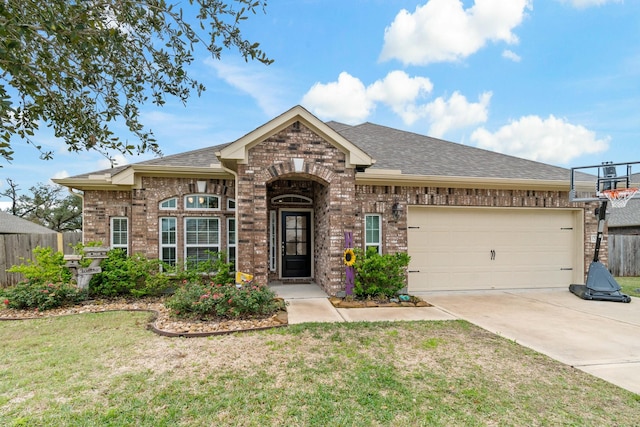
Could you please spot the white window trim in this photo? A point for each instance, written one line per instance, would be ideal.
(229, 201)
(208, 245)
(168, 245)
(379, 243)
(273, 241)
(235, 240)
(168, 208)
(186, 198)
(124, 246)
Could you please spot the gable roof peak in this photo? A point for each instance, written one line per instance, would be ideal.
(238, 150)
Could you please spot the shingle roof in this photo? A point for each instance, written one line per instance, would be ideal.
(417, 154)
(10, 224)
(203, 157)
(394, 149)
(629, 216)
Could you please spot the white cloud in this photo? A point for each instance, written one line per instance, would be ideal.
(456, 113)
(345, 99)
(399, 91)
(118, 160)
(60, 174)
(348, 100)
(511, 55)
(256, 80)
(583, 4)
(442, 30)
(547, 140)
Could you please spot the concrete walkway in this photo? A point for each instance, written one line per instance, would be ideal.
(309, 303)
(601, 338)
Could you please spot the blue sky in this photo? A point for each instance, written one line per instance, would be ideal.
(556, 81)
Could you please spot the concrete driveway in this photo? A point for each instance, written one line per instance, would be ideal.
(601, 338)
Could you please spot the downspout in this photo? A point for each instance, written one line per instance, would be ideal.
(235, 190)
(81, 195)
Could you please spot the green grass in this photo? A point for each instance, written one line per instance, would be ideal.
(107, 370)
(629, 285)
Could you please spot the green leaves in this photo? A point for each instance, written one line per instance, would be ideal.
(379, 275)
(81, 66)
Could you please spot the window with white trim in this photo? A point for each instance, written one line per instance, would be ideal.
(168, 240)
(273, 248)
(231, 242)
(202, 202)
(231, 204)
(201, 236)
(120, 233)
(169, 204)
(372, 232)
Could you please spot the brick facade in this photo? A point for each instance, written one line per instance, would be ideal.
(142, 209)
(297, 161)
(273, 169)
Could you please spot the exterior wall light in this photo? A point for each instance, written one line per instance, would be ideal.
(396, 210)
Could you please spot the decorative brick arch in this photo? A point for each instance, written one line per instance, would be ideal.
(299, 167)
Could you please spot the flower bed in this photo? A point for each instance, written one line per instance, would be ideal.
(351, 302)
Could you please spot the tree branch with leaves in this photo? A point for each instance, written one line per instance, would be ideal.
(79, 66)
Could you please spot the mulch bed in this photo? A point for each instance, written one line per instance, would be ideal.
(351, 302)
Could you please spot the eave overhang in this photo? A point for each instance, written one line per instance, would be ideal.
(130, 177)
(396, 177)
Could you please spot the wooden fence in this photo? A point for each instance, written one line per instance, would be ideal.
(16, 248)
(624, 255)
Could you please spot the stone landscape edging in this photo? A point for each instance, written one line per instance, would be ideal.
(151, 324)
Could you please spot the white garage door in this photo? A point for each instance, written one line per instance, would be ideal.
(493, 248)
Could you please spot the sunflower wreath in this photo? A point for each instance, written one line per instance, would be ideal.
(349, 257)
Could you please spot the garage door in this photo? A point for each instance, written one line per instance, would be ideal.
(493, 248)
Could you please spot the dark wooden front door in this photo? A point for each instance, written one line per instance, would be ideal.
(296, 244)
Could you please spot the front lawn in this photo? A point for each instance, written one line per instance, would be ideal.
(106, 370)
(629, 285)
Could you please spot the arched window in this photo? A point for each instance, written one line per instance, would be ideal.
(202, 202)
(291, 199)
(168, 204)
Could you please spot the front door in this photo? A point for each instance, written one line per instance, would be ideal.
(296, 244)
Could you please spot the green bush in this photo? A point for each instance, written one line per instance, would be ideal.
(48, 266)
(215, 270)
(41, 296)
(379, 275)
(211, 300)
(124, 275)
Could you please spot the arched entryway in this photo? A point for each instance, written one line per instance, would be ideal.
(298, 209)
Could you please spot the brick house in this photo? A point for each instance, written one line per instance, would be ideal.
(279, 200)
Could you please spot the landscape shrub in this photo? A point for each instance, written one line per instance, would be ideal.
(215, 269)
(209, 300)
(41, 296)
(47, 266)
(124, 275)
(379, 275)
